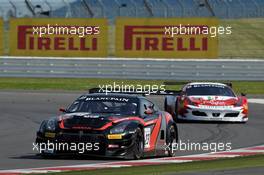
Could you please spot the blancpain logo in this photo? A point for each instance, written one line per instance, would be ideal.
(91, 116)
(107, 98)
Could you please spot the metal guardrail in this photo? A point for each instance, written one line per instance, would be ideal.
(120, 68)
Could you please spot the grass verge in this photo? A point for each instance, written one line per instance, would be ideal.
(76, 84)
(246, 40)
(221, 164)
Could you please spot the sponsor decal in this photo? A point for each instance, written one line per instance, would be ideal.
(215, 107)
(50, 134)
(58, 37)
(91, 116)
(147, 132)
(150, 38)
(114, 136)
(107, 99)
(205, 85)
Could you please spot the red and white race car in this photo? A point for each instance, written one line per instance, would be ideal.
(206, 101)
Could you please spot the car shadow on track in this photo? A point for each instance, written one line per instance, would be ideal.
(208, 122)
(64, 157)
(75, 157)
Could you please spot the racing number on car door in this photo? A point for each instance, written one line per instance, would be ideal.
(147, 105)
(147, 132)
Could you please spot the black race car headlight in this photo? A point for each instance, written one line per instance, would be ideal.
(51, 125)
(118, 129)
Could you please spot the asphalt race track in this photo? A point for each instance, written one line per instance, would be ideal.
(22, 112)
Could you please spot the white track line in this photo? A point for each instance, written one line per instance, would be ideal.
(255, 100)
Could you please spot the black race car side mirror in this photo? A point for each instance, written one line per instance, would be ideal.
(149, 111)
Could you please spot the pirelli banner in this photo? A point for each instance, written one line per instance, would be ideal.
(166, 38)
(1, 36)
(58, 37)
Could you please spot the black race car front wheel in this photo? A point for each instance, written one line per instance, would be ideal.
(176, 112)
(172, 140)
(139, 144)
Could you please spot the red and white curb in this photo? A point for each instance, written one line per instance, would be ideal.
(178, 159)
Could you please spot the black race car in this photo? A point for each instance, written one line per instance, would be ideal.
(117, 125)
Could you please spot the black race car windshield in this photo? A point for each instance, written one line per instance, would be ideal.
(105, 105)
(209, 89)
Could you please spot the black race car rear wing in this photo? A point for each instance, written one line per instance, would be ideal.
(128, 91)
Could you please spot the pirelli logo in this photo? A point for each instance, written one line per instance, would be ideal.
(58, 37)
(152, 38)
(28, 40)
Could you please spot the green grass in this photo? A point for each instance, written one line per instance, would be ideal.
(76, 84)
(62, 83)
(246, 40)
(221, 164)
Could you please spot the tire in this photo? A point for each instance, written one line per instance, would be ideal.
(172, 139)
(171, 110)
(139, 144)
(175, 116)
(166, 105)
